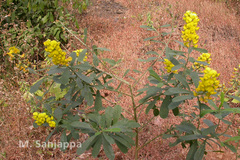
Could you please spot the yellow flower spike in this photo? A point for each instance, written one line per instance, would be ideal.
(189, 30)
(208, 84)
(169, 66)
(56, 53)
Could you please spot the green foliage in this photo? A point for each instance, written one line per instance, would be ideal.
(73, 94)
(26, 24)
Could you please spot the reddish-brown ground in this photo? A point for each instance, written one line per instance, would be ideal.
(116, 26)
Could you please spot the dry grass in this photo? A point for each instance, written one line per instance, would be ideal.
(118, 28)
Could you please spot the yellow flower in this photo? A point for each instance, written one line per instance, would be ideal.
(208, 84)
(41, 118)
(78, 52)
(189, 34)
(56, 53)
(14, 50)
(169, 66)
(205, 57)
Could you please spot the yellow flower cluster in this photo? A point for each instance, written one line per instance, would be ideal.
(189, 34)
(13, 50)
(56, 53)
(208, 84)
(205, 57)
(15, 56)
(41, 118)
(78, 52)
(235, 80)
(169, 66)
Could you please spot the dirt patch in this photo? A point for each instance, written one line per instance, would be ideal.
(106, 9)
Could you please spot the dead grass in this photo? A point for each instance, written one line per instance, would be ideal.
(119, 30)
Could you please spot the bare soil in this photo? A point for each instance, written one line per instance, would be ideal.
(115, 24)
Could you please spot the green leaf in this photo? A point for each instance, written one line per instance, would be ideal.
(104, 49)
(90, 141)
(110, 61)
(186, 127)
(208, 122)
(176, 90)
(63, 140)
(95, 60)
(97, 146)
(108, 149)
(121, 140)
(209, 130)
(171, 52)
(137, 71)
(82, 55)
(192, 151)
(195, 78)
(86, 93)
(126, 72)
(175, 111)
(182, 80)
(200, 50)
(102, 122)
(81, 125)
(236, 138)
(116, 113)
(181, 43)
(127, 138)
(54, 69)
(98, 102)
(32, 71)
(231, 147)
(177, 67)
(65, 77)
(50, 135)
(149, 38)
(84, 78)
(85, 36)
(174, 105)
(166, 25)
(79, 83)
(152, 52)
(123, 148)
(155, 112)
(191, 137)
(200, 152)
(182, 98)
(36, 85)
(235, 97)
(147, 60)
(155, 75)
(164, 107)
(233, 110)
(204, 112)
(45, 19)
(108, 115)
(112, 130)
(212, 104)
(58, 113)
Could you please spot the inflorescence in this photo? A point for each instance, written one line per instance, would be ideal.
(169, 66)
(78, 53)
(56, 53)
(205, 57)
(208, 84)
(41, 118)
(189, 34)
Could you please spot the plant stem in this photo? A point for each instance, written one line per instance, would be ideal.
(150, 141)
(136, 120)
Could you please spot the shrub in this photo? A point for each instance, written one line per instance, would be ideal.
(184, 79)
(26, 24)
